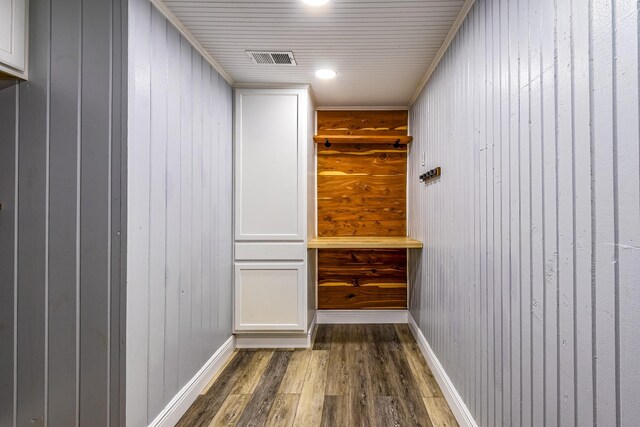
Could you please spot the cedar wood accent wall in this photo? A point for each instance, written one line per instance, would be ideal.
(362, 192)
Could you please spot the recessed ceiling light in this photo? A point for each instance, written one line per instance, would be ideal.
(315, 2)
(325, 74)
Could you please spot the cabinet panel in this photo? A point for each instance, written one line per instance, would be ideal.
(270, 296)
(269, 171)
(269, 251)
(13, 27)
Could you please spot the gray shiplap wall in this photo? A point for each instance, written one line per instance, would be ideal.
(528, 288)
(179, 213)
(62, 143)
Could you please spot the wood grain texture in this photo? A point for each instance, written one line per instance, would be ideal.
(364, 297)
(362, 159)
(362, 122)
(205, 407)
(331, 212)
(309, 412)
(283, 411)
(359, 183)
(389, 412)
(362, 278)
(362, 402)
(323, 337)
(338, 380)
(364, 243)
(294, 377)
(426, 381)
(230, 411)
(362, 376)
(403, 383)
(332, 186)
(365, 139)
(362, 228)
(361, 190)
(335, 411)
(248, 380)
(259, 406)
(439, 412)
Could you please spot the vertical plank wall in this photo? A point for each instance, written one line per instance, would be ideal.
(528, 287)
(62, 142)
(179, 213)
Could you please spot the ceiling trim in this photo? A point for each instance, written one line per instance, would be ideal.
(171, 17)
(445, 45)
(363, 108)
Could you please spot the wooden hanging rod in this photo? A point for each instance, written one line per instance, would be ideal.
(362, 139)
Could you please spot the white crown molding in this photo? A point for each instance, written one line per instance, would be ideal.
(363, 108)
(171, 17)
(443, 49)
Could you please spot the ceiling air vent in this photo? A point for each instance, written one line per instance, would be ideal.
(271, 58)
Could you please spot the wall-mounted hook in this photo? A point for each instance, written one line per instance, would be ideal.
(396, 144)
(327, 143)
(430, 175)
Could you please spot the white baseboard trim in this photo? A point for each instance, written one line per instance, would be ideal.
(277, 340)
(332, 317)
(457, 405)
(181, 402)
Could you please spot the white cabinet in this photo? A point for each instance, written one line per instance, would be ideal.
(269, 296)
(13, 36)
(270, 164)
(270, 187)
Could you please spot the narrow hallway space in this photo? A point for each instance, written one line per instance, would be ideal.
(355, 375)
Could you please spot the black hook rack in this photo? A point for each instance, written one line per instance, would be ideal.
(430, 175)
(327, 143)
(396, 144)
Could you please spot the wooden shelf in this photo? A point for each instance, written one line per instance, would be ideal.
(365, 139)
(364, 243)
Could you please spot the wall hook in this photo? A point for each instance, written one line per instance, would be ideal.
(431, 175)
(327, 143)
(396, 144)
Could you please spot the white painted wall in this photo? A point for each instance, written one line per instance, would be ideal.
(62, 224)
(179, 213)
(528, 287)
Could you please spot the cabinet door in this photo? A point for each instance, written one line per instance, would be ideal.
(13, 27)
(270, 296)
(270, 180)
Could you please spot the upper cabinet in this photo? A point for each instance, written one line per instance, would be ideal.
(13, 37)
(270, 155)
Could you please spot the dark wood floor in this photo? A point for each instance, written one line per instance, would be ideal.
(355, 375)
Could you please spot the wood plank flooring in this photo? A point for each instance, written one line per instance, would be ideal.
(355, 375)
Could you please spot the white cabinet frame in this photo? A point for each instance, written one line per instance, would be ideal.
(300, 234)
(240, 325)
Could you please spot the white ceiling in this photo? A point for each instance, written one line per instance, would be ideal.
(380, 49)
